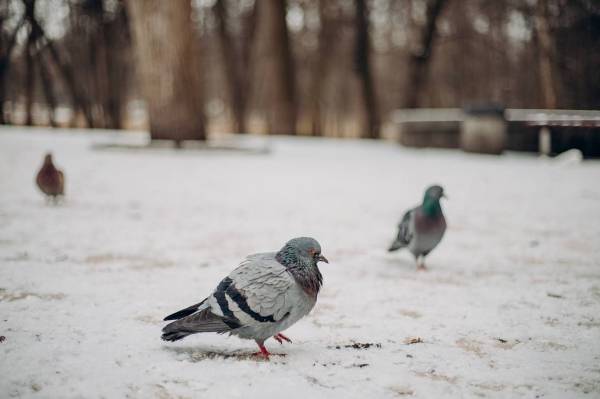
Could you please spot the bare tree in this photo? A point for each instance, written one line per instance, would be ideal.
(29, 76)
(167, 65)
(103, 65)
(320, 67)
(236, 82)
(246, 51)
(363, 69)
(546, 55)
(418, 64)
(7, 44)
(38, 39)
(109, 50)
(275, 55)
(117, 44)
(48, 91)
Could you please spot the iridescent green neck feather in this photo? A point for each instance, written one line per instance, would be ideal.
(431, 206)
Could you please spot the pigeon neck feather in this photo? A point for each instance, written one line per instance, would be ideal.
(304, 270)
(431, 207)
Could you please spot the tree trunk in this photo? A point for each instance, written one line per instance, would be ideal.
(237, 96)
(363, 69)
(29, 78)
(96, 92)
(319, 69)
(116, 31)
(247, 65)
(78, 99)
(546, 56)
(4, 66)
(168, 68)
(418, 64)
(277, 66)
(48, 90)
(106, 62)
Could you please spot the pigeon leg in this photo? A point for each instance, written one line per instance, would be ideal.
(421, 264)
(280, 338)
(263, 351)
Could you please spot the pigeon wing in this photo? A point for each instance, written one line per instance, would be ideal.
(405, 227)
(405, 231)
(254, 293)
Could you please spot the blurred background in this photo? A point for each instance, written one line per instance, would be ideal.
(185, 69)
(309, 106)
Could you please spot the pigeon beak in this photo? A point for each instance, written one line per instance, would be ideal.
(321, 258)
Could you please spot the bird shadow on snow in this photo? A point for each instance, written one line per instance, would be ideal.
(199, 353)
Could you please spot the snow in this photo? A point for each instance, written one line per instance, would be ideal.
(510, 305)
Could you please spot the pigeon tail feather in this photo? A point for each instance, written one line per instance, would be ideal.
(174, 336)
(396, 245)
(203, 321)
(184, 312)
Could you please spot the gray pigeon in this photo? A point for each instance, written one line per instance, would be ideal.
(422, 228)
(266, 294)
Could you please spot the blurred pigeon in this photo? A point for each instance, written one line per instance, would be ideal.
(422, 228)
(50, 180)
(266, 294)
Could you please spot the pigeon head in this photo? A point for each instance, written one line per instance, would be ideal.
(48, 159)
(431, 200)
(301, 251)
(434, 192)
(300, 256)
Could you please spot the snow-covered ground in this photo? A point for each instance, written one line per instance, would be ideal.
(510, 306)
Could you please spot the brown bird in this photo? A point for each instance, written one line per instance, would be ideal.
(50, 180)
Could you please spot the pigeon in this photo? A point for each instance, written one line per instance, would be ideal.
(50, 180)
(264, 295)
(422, 228)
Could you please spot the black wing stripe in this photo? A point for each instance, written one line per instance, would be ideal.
(242, 302)
(222, 301)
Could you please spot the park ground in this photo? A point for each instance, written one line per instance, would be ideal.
(510, 305)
